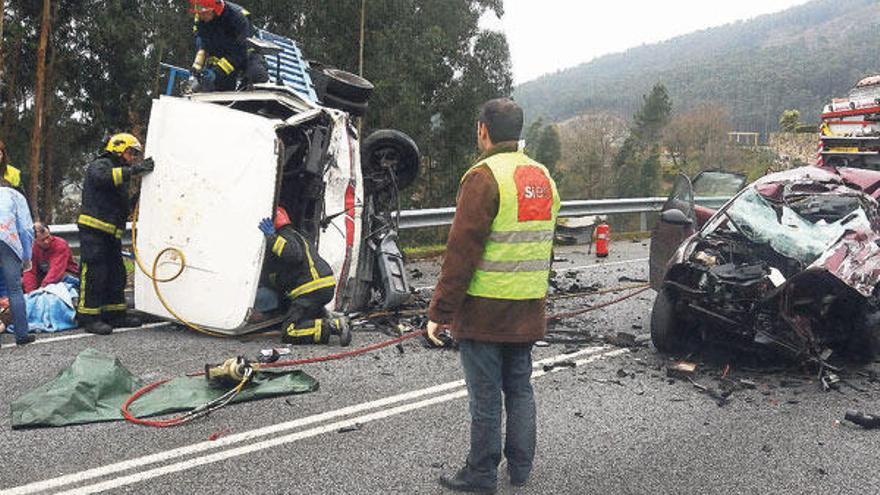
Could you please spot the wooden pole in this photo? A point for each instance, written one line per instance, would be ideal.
(363, 30)
(40, 101)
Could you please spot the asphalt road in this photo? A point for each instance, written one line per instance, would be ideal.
(391, 421)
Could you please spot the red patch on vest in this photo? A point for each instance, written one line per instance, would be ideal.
(534, 194)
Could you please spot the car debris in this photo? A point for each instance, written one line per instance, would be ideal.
(559, 364)
(721, 397)
(790, 264)
(866, 421)
(681, 369)
(350, 428)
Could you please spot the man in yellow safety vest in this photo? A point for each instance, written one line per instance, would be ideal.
(491, 294)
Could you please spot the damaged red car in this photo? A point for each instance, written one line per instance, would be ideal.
(791, 263)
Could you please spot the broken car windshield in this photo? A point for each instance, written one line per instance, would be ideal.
(803, 227)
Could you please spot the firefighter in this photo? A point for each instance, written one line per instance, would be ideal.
(295, 269)
(101, 223)
(223, 57)
(602, 237)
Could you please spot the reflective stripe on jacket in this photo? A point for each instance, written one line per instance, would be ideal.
(516, 261)
(105, 201)
(299, 270)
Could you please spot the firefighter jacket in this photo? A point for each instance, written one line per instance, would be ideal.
(295, 267)
(225, 38)
(105, 201)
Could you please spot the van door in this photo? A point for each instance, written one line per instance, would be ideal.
(214, 180)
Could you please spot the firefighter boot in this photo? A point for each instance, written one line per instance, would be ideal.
(124, 320)
(340, 326)
(98, 327)
(305, 332)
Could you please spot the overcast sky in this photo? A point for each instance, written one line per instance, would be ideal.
(548, 35)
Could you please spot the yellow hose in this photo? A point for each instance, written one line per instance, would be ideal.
(155, 280)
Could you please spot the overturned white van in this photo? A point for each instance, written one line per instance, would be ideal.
(223, 162)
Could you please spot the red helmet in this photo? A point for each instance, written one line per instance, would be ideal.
(197, 6)
(281, 218)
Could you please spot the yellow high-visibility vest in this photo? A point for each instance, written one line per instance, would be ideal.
(516, 261)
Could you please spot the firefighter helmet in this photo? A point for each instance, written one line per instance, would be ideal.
(198, 6)
(121, 142)
(281, 218)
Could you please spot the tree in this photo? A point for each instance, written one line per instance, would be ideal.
(549, 148)
(789, 120)
(698, 135)
(638, 161)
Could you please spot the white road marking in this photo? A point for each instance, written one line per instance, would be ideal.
(293, 437)
(103, 471)
(62, 338)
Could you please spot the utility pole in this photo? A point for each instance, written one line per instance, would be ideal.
(361, 56)
(39, 105)
(2, 17)
(363, 25)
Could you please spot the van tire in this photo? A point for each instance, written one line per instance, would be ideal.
(348, 86)
(352, 108)
(400, 154)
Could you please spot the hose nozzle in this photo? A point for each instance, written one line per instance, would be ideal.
(232, 370)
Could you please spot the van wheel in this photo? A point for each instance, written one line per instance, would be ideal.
(667, 330)
(389, 157)
(348, 86)
(352, 108)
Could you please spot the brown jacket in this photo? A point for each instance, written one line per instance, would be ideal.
(480, 318)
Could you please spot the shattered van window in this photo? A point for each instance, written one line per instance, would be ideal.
(803, 238)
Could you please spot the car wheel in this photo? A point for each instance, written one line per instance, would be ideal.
(354, 109)
(388, 154)
(348, 86)
(864, 344)
(667, 331)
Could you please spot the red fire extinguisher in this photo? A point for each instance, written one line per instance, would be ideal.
(602, 235)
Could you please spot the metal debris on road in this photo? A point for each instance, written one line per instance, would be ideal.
(866, 421)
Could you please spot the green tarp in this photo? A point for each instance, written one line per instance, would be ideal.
(94, 387)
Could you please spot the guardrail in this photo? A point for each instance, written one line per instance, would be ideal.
(438, 217)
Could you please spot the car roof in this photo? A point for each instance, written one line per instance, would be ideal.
(864, 180)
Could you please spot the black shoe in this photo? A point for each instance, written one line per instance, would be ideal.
(99, 328)
(27, 339)
(518, 483)
(461, 483)
(127, 321)
(341, 327)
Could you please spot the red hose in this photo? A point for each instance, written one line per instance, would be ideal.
(164, 423)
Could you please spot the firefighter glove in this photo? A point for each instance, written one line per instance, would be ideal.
(143, 167)
(266, 227)
(206, 76)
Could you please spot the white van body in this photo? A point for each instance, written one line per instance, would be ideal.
(218, 171)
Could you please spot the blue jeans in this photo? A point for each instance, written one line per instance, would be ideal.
(491, 369)
(11, 267)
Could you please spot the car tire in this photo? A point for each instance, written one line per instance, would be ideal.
(354, 109)
(390, 149)
(864, 344)
(348, 86)
(667, 332)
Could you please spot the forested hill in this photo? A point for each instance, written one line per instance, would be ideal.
(798, 58)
